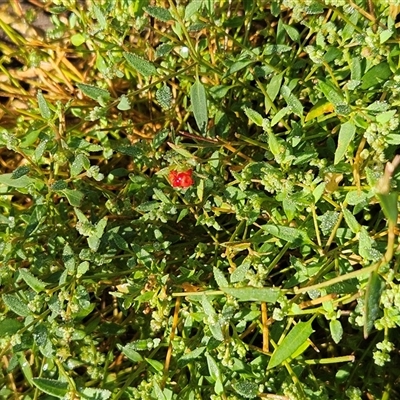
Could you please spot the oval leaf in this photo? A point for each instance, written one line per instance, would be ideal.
(199, 104)
(293, 340)
(336, 330)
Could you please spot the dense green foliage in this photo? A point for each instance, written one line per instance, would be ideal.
(273, 274)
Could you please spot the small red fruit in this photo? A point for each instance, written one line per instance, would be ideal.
(182, 179)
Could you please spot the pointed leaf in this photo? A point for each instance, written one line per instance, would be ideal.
(191, 357)
(292, 235)
(94, 92)
(351, 221)
(388, 203)
(297, 336)
(160, 13)
(199, 104)
(378, 74)
(253, 116)
(22, 182)
(372, 298)
(213, 368)
(74, 197)
(16, 305)
(36, 284)
(346, 136)
(141, 65)
(51, 386)
(43, 106)
(9, 326)
(250, 293)
(292, 101)
(220, 277)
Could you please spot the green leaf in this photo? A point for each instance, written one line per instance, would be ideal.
(220, 277)
(144, 67)
(331, 93)
(319, 191)
(101, 19)
(250, 293)
(207, 306)
(297, 336)
(239, 274)
(68, 258)
(253, 116)
(160, 138)
(292, 32)
(164, 97)
(157, 365)
(78, 39)
(237, 66)
(59, 185)
(213, 368)
(129, 350)
(388, 202)
(124, 103)
(22, 182)
(393, 139)
(356, 197)
(270, 49)
(279, 115)
(385, 35)
(385, 117)
(95, 93)
(9, 326)
(80, 163)
(274, 86)
(373, 293)
(51, 386)
(366, 246)
(351, 221)
(192, 8)
(95, 394)
(43, 106)
(20, 171)
(336, 330)
(247, 389)
(292, 101)
(292, 235)
(74, 197)
(187, 358)
(376, 75)
(16, 305)
(346, 136)
(34, 283)
(159, 13)
(328, 221)
(158, 391)
(199, 104)
(25, 367)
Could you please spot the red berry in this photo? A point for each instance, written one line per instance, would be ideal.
(182, 179)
